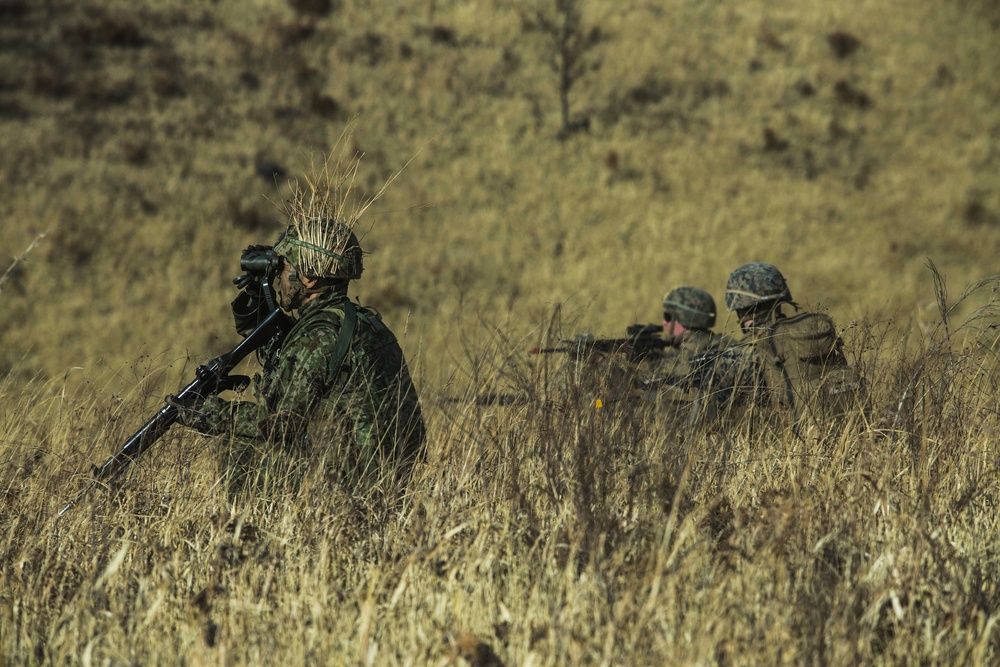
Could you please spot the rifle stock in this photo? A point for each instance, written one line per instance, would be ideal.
(211, 378)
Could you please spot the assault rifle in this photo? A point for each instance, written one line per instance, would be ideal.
(641, 339)
(254, 305)
(210, 378)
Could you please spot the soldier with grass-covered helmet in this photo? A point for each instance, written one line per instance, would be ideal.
(336, 388)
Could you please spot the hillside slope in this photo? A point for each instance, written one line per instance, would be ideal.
(151, 142)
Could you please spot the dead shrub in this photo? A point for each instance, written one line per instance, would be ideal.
(312, 7)
(106, 29)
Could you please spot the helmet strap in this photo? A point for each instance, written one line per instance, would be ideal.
(299, 291)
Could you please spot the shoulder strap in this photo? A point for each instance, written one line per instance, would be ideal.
(806, 325)
(778, 363)
(350, 323)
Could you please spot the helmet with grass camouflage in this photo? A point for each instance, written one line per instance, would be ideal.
(321, 248)
(755, 284)
(693, 307)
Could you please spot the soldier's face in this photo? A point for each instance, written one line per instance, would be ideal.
(746, 317)
(283, 286)
(289, 288)
(671, 327)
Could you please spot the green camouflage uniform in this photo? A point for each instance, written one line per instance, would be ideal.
(673, 369)
(362, 416)
(678, 361)
(676, 372)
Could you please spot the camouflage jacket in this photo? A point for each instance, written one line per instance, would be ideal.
(680, 360)
(674, 373)
(730, 375)
(307, 400)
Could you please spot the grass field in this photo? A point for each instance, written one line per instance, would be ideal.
(854, 145)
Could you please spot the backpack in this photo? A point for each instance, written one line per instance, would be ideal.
(805, 368)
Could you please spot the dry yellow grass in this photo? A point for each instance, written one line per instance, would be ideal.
(545, 532)
(141, 137)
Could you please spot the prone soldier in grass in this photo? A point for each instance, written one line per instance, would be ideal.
(335, 390)
(688, 317)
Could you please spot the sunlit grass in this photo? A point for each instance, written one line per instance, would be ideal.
(140, 138)
(539, 531)
(148, 199)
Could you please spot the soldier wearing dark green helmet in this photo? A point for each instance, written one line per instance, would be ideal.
(690, 307)
(688, 317)
(796, 358)
(335, 389)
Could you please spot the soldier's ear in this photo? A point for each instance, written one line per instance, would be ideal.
(309, 282)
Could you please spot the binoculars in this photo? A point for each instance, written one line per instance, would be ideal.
(260, 261)
(256, 299)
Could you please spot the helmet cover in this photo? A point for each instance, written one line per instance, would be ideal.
(755, 284)
(321, 248)
(693, 307)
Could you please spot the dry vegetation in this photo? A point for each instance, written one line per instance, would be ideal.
(545, 532)
(845, 142)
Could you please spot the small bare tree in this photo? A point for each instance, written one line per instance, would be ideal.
(570, 57)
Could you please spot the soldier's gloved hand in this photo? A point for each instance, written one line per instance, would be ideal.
(250, 306)
(235, 383)
(188, 408)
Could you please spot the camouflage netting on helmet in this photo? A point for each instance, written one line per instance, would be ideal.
(321, 248)
(693, 307)
(754, 284)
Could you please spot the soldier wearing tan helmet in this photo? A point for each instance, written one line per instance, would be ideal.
(796, 357)
(336, 388)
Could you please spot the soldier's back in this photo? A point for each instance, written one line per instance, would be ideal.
(804, 366)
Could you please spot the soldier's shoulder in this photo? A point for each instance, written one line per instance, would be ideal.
(722, 341)
(317, 328)
(735, 351)
(705, 341)
(667, 352)
(805, 325)
(328, 318)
